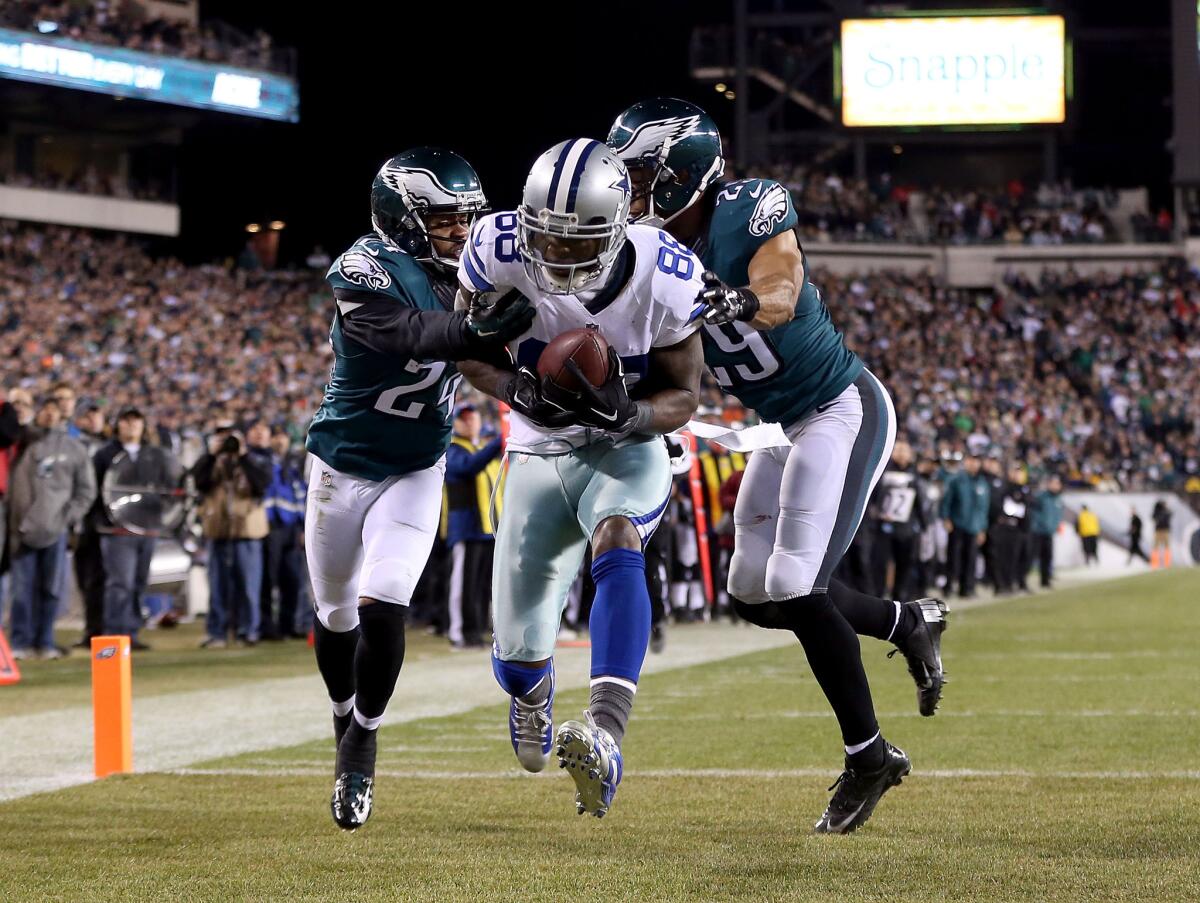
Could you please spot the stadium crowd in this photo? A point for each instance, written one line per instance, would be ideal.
(120, 23)
(1063, 381)
(836, 208)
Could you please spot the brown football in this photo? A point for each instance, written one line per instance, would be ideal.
(586, 347)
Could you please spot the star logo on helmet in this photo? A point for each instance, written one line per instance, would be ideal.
(621, 184)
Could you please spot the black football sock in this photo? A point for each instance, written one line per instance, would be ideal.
(868, 756)
(831, 646)
(335, 661)
(871, 616)
(610, 705)
(377, 664)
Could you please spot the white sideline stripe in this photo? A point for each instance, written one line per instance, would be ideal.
(1005, 713)
(749, 773)
(51, 750)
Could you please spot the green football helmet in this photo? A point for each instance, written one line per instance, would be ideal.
(416, 184)
(679, 146)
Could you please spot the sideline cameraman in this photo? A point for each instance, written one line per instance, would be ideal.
(231, 484)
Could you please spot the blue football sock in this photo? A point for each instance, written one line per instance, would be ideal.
(517, 678)
(620, 619)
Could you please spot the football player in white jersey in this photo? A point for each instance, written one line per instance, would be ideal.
(587, 466)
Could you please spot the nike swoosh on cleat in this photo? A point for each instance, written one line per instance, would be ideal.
(603, 416)
(849, 818)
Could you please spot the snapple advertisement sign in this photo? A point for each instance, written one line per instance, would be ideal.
(961, 70)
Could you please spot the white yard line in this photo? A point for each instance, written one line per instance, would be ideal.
(51, 750)
(750, 773)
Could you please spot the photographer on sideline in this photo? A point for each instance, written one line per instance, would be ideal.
(231, 484)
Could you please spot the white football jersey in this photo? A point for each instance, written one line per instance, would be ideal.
(648, 302)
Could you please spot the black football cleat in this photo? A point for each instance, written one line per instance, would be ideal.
(857, 793)
(922, 649)
(351, 802)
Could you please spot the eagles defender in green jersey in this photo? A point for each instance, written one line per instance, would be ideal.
(379, 439)
(770, 341)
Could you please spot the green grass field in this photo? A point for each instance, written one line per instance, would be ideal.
(1063, 766)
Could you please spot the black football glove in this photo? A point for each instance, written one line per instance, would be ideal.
(726, 304)
(501, 322)
(523, 393)
(606, 406)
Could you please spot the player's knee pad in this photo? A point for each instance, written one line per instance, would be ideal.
(338, 617)
(388, 579)
(790, 575)
(747, 578)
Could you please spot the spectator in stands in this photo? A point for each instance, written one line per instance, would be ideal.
(231, 483)
(472, 470)
(50, 489)
(964, 509)
(126, 555)
(1047, 514)
(64, 396)
(1087, 525)
(283, 574)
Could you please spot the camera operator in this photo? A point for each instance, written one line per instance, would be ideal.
(231, 483)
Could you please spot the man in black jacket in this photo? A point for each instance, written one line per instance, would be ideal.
(126, 555)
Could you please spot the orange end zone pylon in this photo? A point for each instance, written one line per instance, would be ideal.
(112, 704)
(9, 672)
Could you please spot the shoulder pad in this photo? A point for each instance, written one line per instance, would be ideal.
(372, 265)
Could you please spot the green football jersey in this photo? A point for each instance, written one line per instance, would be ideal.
(782, 373)
(382, 415)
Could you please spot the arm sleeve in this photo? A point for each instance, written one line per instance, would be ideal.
(202, 472)
(477, 266)
(944, 506)
(388, 326)
(84, 490)
(766, 208)
(462, 464)
(676, 290)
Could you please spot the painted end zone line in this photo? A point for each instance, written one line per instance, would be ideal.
(749, 773)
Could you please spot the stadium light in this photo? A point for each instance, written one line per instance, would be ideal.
(254, 227)
(721, 87)
(276, 225)
(729, 95)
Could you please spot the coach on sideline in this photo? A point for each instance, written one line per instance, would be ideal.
(471, 473)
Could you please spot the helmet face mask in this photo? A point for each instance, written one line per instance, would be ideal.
(418, 186)
(571, 228)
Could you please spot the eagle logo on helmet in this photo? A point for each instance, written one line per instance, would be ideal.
(771, 208)
(421, 188)
(361, 268)
(655, 138)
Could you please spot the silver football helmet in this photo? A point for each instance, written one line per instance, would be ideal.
(572, 219)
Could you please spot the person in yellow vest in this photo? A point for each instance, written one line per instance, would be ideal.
(1087, 525)
(472, 470)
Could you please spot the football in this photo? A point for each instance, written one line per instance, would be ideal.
(586, 347)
